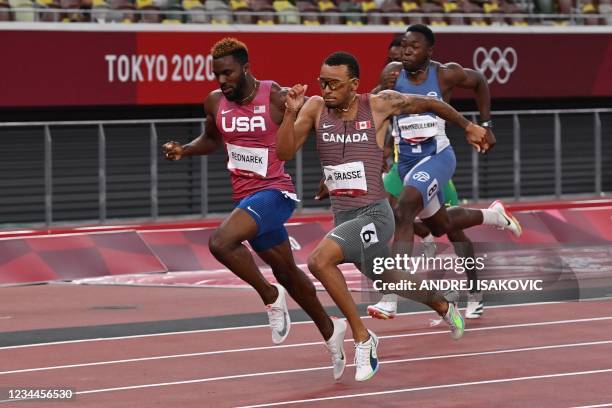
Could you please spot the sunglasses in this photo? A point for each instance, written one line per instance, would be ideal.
(332, 83)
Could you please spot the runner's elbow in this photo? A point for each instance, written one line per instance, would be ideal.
(284, 155)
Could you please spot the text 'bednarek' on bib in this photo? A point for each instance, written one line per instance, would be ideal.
(247, 161)
(346, 179)
(415, 129)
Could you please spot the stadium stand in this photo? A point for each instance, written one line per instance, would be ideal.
(315, 12)
(5, 11)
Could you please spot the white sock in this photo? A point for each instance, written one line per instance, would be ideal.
(429, 238)
(492, 217)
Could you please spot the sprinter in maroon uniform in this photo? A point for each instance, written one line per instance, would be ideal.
(350, 132)
(244, 115)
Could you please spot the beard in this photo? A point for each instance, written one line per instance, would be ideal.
(238, 93)
(332, 105)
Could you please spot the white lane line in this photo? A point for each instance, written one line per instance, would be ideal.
(188, 332)
(433, 387)
(265, 348)
(303, 370)
(267, 373)
(595, 406)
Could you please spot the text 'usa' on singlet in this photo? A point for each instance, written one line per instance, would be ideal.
(350, 157)
(249, 134)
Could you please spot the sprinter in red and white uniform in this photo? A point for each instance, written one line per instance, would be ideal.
(244, 115)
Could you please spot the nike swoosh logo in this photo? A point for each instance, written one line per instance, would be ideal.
(373, 360)
(507, 219)
(223, 112)
(335, 236)
(253, 211)
(284, 331)
(326, 126)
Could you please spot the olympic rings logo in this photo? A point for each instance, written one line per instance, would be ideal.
(495, 64)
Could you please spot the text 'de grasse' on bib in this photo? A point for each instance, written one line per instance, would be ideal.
(346, 179)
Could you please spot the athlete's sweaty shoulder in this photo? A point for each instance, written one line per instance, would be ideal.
(450, 73)
(277, 96)
(211, 103)
(313, 106)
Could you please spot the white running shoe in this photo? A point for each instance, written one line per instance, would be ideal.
(335, 345)
(475, 306)
(385, 309)
(512, 223)
(429, 246)
(453, 317)
(278, 314)
(366, 359)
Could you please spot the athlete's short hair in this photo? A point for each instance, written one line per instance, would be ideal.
(344, 58)
(231, 46)
(426, 31)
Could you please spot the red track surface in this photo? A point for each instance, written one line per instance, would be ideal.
(324, 216)
(539, 355)
(547, 355)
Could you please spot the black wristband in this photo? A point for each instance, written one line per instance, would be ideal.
(487, 124)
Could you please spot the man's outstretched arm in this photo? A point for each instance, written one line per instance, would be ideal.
(389, 103)
(298, 120)
(209, 141)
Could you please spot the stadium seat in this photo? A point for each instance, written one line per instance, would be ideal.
(372, 11)
(265, 10)
(434, 8)
(242, 11)
(332, 16)
(368, 6)
(72, 13)
(545, 6)
(173, 13)
(286, 12)
(196, 12)
(308, 12)
(355, 12)
(510, 7)
(219, 10)
(122, 11)
(325, 5)
(392, 8)
(605, 8)
(149, 12)
(330, 13)
(22, 15)
(454, 11)
(494, 11)
(5, 11)
(410, 6)
(49, 13)
(100, 11)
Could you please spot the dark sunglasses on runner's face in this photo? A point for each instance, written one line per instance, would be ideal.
(332, 83)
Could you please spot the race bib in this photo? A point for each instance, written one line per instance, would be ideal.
(247, 161)
(415, 129)
(347, 179)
